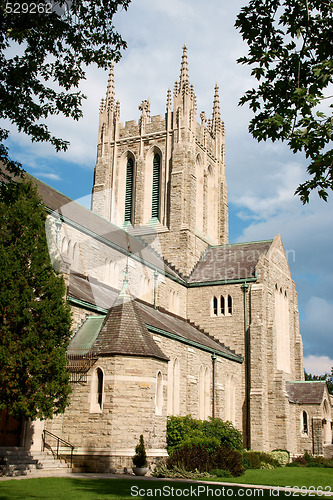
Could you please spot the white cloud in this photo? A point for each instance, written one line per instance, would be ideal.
(48, 175)
(318, 365)
(317, 327)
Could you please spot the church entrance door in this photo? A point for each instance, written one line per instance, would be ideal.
(10, 429)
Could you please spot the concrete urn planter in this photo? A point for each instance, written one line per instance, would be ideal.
(140, 471)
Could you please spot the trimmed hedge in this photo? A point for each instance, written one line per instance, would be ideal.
(308, 460)
(180, 429)
(259, 460)
(204, 454)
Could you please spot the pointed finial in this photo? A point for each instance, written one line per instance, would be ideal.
(168, 106)
(184, 68)
(110, 90)
(102, 106)
(216, 121)
(117, 110)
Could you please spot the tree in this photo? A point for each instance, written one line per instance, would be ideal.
(290, 52)
(54, 41)
(34, 317)
(327, 377)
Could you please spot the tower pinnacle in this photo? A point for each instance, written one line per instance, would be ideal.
(184, 69)
(110, 90)
(216, 119)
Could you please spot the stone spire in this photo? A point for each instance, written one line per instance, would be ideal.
(184, 70)
(110, 90)
(216, 119)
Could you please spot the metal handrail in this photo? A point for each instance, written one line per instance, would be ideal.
(59, 440)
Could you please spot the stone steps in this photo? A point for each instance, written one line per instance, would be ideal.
(16, 461)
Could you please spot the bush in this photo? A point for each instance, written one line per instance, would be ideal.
(259, 460)
(204, 454)
(180, 429)
(161, 470)
(220, 473)
(281, 456)
(140, 457)
(308, 460)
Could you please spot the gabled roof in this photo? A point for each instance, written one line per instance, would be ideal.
(99, 228)
(229, 262)
(306, 392)
(90, 292)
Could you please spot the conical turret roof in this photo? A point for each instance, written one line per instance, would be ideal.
(124, 333)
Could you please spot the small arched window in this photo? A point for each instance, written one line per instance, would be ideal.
(159, 394)
(215, 306)
(229, 304)
(155, 207)
(129, 191)
(305, 422)
(222, 304)
(99, 388)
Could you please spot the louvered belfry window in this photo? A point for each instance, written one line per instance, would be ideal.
(155, 208)
(129, 190)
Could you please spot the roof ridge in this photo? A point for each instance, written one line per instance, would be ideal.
(242, 243)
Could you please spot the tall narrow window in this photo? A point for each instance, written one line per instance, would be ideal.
(155, 207)
(305, 422)
(129, 190)
(222, 304)
(96, 391)
(229, 304)
(99, 387)
(159, 394)
(215, 306)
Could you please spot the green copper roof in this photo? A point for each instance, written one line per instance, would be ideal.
(86, 335)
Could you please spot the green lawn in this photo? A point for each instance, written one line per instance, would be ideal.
(288, 476)
(71, 488)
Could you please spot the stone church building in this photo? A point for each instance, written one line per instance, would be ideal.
(168, 317)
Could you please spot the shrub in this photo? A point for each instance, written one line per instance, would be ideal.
(140, 457)
(180, 429)
(204, 454)
(281, 456)
(161, 470)
(220, 473)
(259, 460)
(308, 460)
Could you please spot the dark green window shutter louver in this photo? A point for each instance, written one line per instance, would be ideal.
(155, 207)
(129, 191)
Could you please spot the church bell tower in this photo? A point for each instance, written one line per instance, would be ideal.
(165, 173)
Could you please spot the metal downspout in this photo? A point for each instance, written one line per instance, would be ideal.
(213, 384)
(245, 288)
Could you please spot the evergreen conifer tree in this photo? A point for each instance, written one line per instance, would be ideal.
(34, 317)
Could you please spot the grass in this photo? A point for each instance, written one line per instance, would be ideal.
(288, 476)
(72, 488)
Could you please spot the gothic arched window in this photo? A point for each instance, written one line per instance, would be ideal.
(305, 422)
(222, 304)
(155, 206)
(229, 304)
(215, 306)
(159, 394)
(129, 190)
(99, 387)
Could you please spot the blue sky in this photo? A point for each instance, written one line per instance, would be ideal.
(261, 177)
